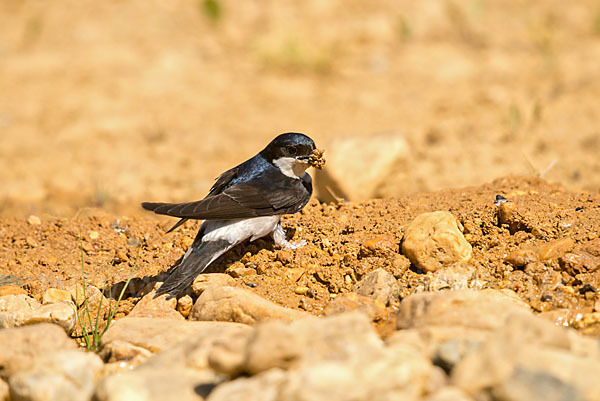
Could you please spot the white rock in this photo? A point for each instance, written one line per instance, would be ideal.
(23, 345)
(139, 337)
(20, 302)
(159, 384)
(531, 356)
(485, 309)
(68, 375)
(282, 345)
(399, 373)
(263, 387)
(63, 314)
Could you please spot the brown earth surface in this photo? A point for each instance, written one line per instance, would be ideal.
(114, 102)
(345, 242)
(107, 104)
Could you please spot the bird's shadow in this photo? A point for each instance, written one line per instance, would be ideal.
(140, 286)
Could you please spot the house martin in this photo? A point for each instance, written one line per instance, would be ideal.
(245, 202)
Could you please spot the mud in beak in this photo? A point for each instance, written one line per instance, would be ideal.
(316, 159)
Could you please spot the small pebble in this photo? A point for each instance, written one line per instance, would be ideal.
(34, 220)
(301, 290)
(184, 305)
(93, 234)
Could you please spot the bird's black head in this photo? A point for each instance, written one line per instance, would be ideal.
(289, 145)
(291, 153)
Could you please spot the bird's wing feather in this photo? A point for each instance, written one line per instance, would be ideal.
(241, 200)
(223, 181)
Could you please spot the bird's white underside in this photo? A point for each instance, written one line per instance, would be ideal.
(291, 166)
(237, 231)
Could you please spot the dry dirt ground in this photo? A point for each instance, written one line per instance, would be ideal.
(345, 241)
(106, 104)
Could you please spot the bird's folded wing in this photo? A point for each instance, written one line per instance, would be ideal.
(239, 201)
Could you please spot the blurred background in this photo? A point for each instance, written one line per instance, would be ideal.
(108, 103)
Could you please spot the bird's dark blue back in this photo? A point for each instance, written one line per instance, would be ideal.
(248, 171)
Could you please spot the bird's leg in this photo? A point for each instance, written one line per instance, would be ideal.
(279, 238)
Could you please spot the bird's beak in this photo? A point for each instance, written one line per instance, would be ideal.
(316, 159)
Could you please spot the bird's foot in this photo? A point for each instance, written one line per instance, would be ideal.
(293, 245)
(279, 238)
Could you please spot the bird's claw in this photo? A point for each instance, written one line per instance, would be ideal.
(293, 245)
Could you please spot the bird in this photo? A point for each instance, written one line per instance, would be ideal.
(245, 202)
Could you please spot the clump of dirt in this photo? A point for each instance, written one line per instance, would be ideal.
(345, 242)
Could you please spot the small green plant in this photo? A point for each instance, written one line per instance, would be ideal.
(91, 332)
(212, 9)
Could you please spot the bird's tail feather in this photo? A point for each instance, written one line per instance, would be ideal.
(191, 266)
(180, 222)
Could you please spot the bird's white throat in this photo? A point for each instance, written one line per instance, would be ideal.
(291, 166)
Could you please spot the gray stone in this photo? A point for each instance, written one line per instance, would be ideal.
(379, 285)
(23, 345)
(67, 375)
(232, 304)
(525, 385)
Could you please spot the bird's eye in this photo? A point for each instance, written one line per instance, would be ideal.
(292, 150)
